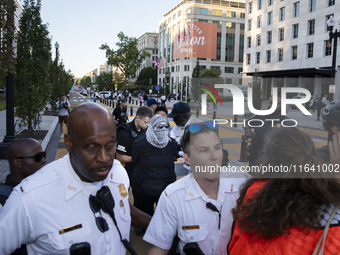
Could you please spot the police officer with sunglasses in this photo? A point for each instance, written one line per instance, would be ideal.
(77, 204)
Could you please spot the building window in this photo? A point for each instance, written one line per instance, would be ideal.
(259, 4)
(295, 30)
(216, 67)
(312, 5)
(296, 9)
(282, 14)
(241, 49)
(174, 17)
(228, 81)
(249, 41)
(203, 20)
(310, 49)
(270, 18)
(331, 2)
(219, 23)
(259, 21)
(229, 69)
(328, 48)
(249, 24)
(294, 52)
(169, 20)
(231, 14)
(280, 54)
(311, 27)
(269, 56)
(202, 11)
(240, 70)
(230, 47)
(281, 34)
(258, 55)
(230, 24)
(269, 37)
(248, 59)
(241, 26)
(217, 12)
(258, 40)
(179, 13)
(270, 2)
(250, 7)
(242, 15)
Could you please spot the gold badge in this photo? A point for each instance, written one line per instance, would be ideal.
(122, 190)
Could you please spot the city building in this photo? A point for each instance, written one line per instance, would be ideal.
(217, 38)
(149, 43)
(287, 44)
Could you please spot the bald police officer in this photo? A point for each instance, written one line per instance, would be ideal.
(52, 210)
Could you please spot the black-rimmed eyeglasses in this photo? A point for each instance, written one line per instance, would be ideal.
(100, 221)
(38, 156)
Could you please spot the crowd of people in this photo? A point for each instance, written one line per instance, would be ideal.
(79, 204)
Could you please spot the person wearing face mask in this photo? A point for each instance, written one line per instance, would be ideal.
(256, 128)
(153, 157)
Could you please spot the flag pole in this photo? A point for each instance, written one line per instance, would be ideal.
(187, 78)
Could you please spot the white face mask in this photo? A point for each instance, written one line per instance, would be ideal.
(158, 132)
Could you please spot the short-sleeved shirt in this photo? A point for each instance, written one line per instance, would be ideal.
(153, 163)
(49, 211)
(125, 141)
(182, 209)
(63, 110)
(4, 190)
(120, 115)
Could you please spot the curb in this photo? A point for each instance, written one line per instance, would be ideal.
(45, 143)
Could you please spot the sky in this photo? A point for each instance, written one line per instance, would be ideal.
(81, 26)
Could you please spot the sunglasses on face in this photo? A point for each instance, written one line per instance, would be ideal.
(100, 221)
(38, 156)
(160, 126)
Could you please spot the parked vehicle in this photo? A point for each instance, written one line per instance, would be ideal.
(104, 94)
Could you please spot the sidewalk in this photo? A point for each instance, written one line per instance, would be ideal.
(48, 123)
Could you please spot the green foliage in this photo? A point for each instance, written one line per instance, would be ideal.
(127, 57)
(32, 87)
(195, 91)
(211, 73)
(144, 77)
(85, 81)
(7, 62)
(2, 102)
(257, 92)
(119, 79)
(105, 81)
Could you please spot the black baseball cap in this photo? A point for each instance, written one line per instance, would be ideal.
(121, 101)
(178, 109)
(152, 101)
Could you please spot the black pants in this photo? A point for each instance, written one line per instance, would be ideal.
(142, 201)
(318, 111)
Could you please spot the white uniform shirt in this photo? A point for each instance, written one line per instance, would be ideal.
(55, 198)
(177, 133)
(182, 208)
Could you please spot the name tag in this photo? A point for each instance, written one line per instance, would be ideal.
(191, 227)
(68, 229)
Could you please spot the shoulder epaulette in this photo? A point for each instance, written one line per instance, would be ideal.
(178, 185)
(39, 180)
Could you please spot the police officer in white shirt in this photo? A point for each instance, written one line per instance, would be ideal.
(57, 210)
(198, 206)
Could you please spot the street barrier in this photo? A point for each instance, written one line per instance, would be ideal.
(131, 111)
(235, 120)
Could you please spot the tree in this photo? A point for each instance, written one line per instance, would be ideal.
(7, 62)
(105, 80)
(257, 92)
(195, 87)
(85, 81)
(32, 87)
(143, 80)
(127, 58)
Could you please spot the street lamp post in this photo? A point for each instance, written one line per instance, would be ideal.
(333, 35)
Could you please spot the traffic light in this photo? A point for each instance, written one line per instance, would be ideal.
(167, 81)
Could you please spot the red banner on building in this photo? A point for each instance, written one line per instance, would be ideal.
(200, 44)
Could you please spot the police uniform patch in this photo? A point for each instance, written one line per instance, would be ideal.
(122, 190)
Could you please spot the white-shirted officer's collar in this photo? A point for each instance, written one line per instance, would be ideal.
(194, 190)
(73, 184)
